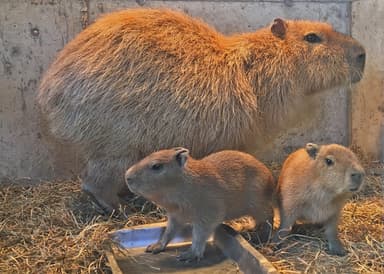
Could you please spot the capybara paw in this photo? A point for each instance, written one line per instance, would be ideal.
(189, 256)
(275, 238)
(279, 236)
(103, 207)
(337, 249)
(155, 248)
(276, 246)
(264, 234)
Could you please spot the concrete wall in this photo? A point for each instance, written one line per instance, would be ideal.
(367, 108)
(32, 32)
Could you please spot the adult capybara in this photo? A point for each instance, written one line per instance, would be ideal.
(314, 185)
(222, 186)
(140, 80)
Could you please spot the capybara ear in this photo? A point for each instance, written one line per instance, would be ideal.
(279, 28)
(181, 156)
(312, 150)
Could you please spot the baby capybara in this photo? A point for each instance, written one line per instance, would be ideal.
(314, 185)
(222, 186)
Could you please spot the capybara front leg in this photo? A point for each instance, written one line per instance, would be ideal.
(286, 223)
(172, 227)
(103, 180)
(335, 246)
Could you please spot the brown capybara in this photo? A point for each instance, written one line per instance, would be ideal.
(222, 186)
(314, 185)
(140, 80)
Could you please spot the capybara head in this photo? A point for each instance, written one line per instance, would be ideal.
(159, 170)
(321, 57)
(337, 166)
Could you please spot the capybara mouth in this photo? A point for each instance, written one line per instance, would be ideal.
(131, 187)
(357, 73)
(354, 188)
(356, 77)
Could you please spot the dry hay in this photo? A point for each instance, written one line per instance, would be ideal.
(53, 228)
(361, 230)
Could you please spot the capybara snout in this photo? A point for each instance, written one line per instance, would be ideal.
(360, 60)
(354, 53)
(129, 179)
(358, 63)
(356, 179)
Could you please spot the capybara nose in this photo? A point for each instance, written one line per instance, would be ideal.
(128, 177)
(361, 60)
(357, 62)
(357, 179)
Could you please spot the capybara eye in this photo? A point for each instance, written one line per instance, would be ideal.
(157, 167)
(329, 162)
(312, 38)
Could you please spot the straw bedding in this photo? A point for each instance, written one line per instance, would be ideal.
(52, 227)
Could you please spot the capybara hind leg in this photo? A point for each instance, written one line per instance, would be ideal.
(103, 183)
(264, 225)
(334, 244)
(200, 235)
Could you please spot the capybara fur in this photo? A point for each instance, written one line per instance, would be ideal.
(314, 185)
(221, 186)
(140, 80)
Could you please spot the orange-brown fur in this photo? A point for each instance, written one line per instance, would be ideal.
(140, 80)
(222, 186)
(314, 184)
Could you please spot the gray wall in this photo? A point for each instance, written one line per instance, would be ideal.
(32, 32)
(367, 108)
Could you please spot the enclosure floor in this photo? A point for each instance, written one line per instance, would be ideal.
(53, 228)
